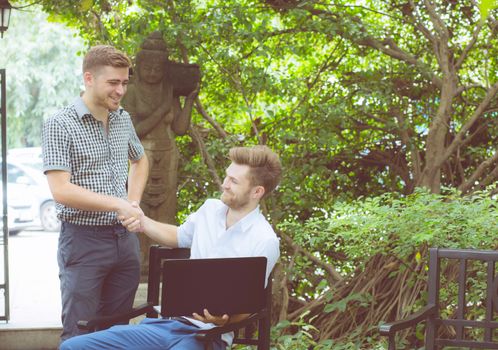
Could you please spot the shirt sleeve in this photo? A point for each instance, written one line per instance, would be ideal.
(270, 248)
(185, 232)
(56, 142)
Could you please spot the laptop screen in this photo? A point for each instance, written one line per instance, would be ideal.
(220, 285)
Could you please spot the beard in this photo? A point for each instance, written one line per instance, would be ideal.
(108, 102)
(235, 202)
(112, 105)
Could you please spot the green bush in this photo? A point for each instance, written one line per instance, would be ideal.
(389, 226)
(392, 224)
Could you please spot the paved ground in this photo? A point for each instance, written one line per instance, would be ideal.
(34, 293)
(34, 281)
(34, 284)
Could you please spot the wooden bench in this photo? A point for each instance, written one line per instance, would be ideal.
(462, 267)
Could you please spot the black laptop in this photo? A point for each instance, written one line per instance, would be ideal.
(223, 286)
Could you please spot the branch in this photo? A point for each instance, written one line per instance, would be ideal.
(390, 157)
(469, 46)
(393, 50)
(184, 52)
(491, 178)
(324, 67)
(477, 131)
(375, 118)
(205, 155)
(330, 269)
(436, 20)
(463, 88)
(229, 74)
(467, 185)
(202, 111)
(101, 27)
(459, 138)
(418, 24)
(248, 103)
(239, 85)
(37, 2)
(405, 138)
(389, 48)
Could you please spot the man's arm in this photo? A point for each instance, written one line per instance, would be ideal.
(137, 178)
(75, 196)
(164, 234)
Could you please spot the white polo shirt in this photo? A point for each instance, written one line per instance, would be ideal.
(205, 233)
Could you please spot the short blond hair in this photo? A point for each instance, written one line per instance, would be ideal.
(105, 55)
(266, 169)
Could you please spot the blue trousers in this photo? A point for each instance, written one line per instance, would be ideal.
(150, 334)
(99, 272)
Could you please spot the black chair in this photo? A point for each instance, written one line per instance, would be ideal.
(437, 326)
(244, 330)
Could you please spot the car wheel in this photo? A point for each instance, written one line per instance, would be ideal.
(48, 217)
(14, 232)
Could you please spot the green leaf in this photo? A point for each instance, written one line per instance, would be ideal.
(86, 5)
(485, 6)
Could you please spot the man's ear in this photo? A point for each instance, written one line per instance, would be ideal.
(87, 78)
(258, 192)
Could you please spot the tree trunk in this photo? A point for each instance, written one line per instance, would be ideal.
(436, 137)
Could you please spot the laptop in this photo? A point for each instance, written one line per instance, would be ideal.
(220, 285)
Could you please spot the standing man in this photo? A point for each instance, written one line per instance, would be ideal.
(86, 148)
(230, 227)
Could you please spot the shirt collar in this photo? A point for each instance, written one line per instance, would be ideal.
(82, 110)
(243, 223)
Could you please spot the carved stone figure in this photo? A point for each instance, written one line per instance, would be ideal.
(153, 100)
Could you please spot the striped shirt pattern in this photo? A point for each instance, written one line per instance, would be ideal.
(76, 142)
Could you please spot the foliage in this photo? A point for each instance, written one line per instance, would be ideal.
(373, 243)
(353, 95)
(393, 224)
(486, 6)
(42, 73)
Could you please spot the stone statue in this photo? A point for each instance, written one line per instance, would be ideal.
(153, 101)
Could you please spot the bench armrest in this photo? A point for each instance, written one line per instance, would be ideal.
(103, 322)
(388, 329)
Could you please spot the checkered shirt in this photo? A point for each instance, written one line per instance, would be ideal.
(76, 142)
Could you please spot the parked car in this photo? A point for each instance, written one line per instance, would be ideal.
(30, 156)
(20, 214)
(36, 186)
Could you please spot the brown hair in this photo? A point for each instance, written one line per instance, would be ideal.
(105, 55)
(266, 169)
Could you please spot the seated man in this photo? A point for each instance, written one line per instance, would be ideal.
(230, 227)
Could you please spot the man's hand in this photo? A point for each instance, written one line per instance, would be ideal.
(131, 216)
(132, 224)
(208, 318)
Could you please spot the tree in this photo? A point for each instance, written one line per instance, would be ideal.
(43, 73)
(388, 95)
(426, 93)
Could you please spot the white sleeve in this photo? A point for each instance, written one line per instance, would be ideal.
(185, 232)
(271, 250)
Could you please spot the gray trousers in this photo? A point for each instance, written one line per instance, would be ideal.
(99, 272)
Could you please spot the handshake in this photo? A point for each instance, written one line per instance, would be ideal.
(131, 216)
